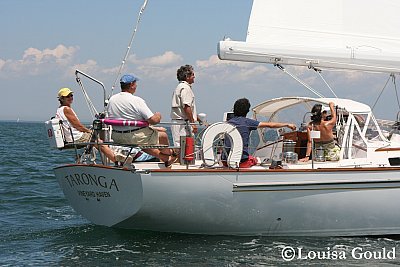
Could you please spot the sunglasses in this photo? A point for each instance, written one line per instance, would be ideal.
(70, 95)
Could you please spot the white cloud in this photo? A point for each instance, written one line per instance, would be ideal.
(61, 54)
(227, 71)
(221, 70)
(112, 70)
(168, 58)
(311, 75)
(354, 75)
(211, 61)
(89, 67)
(215, 61)
(2, 63)
(156, 73)
(160, 68)
(35, 61)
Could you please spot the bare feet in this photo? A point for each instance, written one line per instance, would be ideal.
(171, 160)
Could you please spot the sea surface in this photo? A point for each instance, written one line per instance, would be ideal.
(39, 228)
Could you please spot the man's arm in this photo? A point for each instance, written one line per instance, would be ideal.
(332, 121)
(309, 146)
(155, 119)
(277, 125)
(189, 114)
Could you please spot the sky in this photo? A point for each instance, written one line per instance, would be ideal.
(43, 42)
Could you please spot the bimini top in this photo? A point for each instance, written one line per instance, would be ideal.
(269, 107)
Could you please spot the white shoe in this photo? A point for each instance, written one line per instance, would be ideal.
(129, 160)
(120, 157)
(123, 158)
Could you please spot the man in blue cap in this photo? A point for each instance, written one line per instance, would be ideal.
(126, 106)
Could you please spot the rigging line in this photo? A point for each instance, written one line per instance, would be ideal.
(395, 88)
(130, 45)
(89, 103)
(383, 89)
(300, 81)
(320, 75)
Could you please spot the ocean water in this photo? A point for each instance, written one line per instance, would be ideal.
(39, 228)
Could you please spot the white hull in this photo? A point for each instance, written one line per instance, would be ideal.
(357, 194)
(341, 202)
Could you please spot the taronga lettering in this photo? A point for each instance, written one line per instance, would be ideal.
(78, 179)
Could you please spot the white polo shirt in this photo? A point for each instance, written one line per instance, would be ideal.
(126, 106)
(183, 95)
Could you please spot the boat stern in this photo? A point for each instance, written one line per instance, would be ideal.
(103, 195)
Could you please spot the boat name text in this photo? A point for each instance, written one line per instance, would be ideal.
(78, 179)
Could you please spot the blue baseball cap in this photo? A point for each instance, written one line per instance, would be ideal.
(127, 78)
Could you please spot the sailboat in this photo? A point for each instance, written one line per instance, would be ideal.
(357, 195)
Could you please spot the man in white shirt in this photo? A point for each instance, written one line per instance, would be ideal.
(125, 105)
(183, 106)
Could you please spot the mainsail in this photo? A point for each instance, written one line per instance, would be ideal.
(340, 34)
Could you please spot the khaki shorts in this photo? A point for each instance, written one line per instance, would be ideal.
(85, 138)
(143, 136)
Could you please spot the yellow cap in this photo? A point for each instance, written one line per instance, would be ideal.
(64, 92)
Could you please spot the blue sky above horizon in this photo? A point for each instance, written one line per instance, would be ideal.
(45, 41)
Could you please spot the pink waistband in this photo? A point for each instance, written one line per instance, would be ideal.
(116, 122)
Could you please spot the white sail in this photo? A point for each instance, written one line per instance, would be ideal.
(342, 34)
